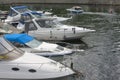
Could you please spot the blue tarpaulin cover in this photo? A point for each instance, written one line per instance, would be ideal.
(19, 38)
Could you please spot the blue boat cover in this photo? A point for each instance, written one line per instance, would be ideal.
(24, 10)
(19, 38)
(32, 12)
(25, 14)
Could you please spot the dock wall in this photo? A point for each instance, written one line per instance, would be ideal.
(114, 2)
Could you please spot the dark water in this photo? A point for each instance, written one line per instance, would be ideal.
(101, 58)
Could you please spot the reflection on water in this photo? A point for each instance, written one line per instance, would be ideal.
(101, 60)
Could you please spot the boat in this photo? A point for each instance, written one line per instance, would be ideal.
(17, 64)
(18, 12)
(49, 29)
(3, 15)
(60, 19)
(15, 13)
(6, 28)
(75, 10)
(45, 13)
(32, 45)
(2, 31)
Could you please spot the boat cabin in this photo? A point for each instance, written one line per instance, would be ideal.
(77, 7)
(40, 23)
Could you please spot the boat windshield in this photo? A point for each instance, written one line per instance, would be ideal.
(22, 10)
(78, 9)
(34, 43)
(8, 51)
(60, 48)
(29, 16)
(48, 23)
(12, 13)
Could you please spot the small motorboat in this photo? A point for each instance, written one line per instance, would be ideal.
(60, 19)
(17, 64)
(45, 13)
(16, 13)
(49, 29)
(31, 45)
(6, 28)
(75, 10)
(3, 31)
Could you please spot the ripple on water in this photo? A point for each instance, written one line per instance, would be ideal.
(100, 61)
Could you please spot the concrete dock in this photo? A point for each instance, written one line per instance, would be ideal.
(107, 2)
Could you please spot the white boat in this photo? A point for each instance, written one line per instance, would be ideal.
(18, 12)
(31, 45)
(45, 13)
(60, 19)
(48, 29)
(75, 10)
(17, 64)
(3, 31)
(7, 28)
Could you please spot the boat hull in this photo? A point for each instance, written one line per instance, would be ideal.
(31, 66)
(45, 53)
(58, 34)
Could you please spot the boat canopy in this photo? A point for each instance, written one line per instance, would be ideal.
(17, 9)
(34, 12)
(24, 11)
(19, 38)
(31, 12)
(20, 7)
